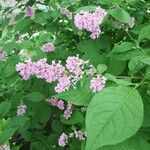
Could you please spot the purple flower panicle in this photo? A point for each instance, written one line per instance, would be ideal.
(68, 111)
(56, 103)
(90, 21)
(63, 140)
(48, 47)
(97, 83)
(29, 11)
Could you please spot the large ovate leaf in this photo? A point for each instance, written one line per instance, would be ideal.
(16, 122)
(86, 9)
(113, 115)
(4, 108)
(135, 64)
(120, 14)
(126, 55)
(146, 101)
(116, 67)
(24, 23)
(88, 46)
(109, 2)
(134, 143)
(34, 96)
(144, 34)
(123, 47)
(6, 135)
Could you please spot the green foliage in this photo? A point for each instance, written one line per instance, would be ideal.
(120, 14)
(34, 96)
(81, 95)
(115, 118)
(4, 108)
(118, 120)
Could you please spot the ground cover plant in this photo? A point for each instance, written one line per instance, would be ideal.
(74, 75)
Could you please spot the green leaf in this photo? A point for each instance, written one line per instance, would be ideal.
(6, 135)
(81, 95)
(101, 68)
(134, 143)
(120, 14)
(146, 60)
(126, 55)
(123, 47)
(109, 2)
(94, 45)
(135, 64)
(4, 108)
(116, 67)
(144, 34)
(76, 118)
(95, 58)
(117, 81)
(16, 122)
(34, 96)
(57, 126)
(38, 146)
(113, 115)
(41, 17)
(46, 37)
(24, 23)
(146, 101)
(9, 46)
(39, 54)
(86, 9)
(26, 44)
(8, 70)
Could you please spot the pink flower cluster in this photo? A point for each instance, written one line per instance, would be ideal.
(66, 76)
(48, 47)
(75, 65)
(90, 21)
(56, 103)
(21, 110)
(60, 104)
(68, 111)
(3, 55)
(66, 12)
(63, 139)
(29, 12)
(97, 83)
(80, 135)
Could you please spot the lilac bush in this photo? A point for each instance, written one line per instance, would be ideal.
(74, 75)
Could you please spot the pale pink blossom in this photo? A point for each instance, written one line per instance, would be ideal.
(63, 84)
(75, 65)
(63, 140)
(90, 21)
(64, 75)
(25, 69)
(3, 55)
(48, 47)
(21, 110)
(97, 83)
(29, 11)
(80, 135)
(56, 103)
(68, 111)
